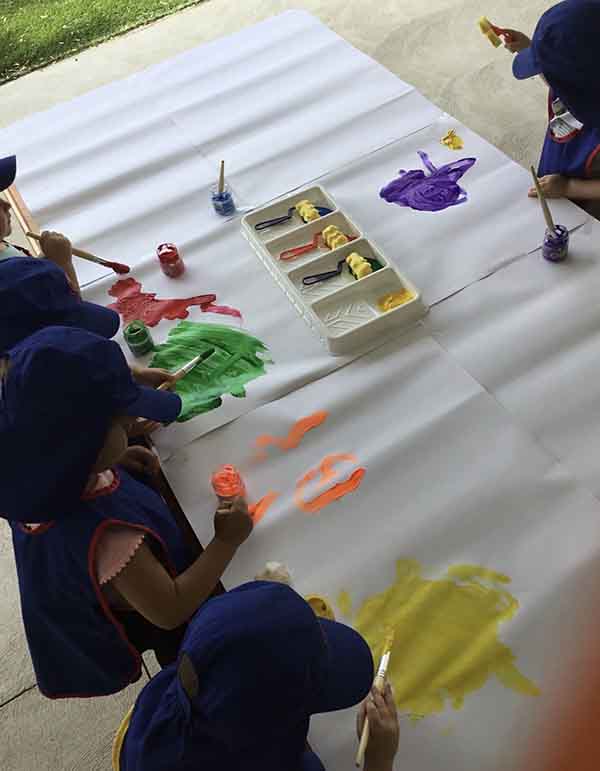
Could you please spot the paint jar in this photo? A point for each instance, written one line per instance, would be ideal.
(171, 263)
(556, 244)
(138, 338)
(227, 483)
(223, 203)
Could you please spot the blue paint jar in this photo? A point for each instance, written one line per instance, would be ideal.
(223, 203)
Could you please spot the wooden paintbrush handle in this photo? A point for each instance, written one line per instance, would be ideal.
(543, 202)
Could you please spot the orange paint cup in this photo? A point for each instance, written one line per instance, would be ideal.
(227, 482)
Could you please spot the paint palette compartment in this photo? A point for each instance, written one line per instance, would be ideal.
(344, 312)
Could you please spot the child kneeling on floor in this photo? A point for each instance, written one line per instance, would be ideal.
(104, 572)
(254, 665)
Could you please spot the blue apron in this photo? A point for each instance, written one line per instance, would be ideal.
(77, 646)
(569, 147)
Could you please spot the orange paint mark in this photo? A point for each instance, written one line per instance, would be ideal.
(294, 437)
(326, 473)
(258, 510)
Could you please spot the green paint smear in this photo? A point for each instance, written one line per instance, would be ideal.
(238, 359)
(446, 643)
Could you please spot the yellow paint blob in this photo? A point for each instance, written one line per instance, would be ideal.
(452, 141)
(446, 642)
(394, 300)
(344, 603)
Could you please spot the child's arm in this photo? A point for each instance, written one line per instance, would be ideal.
(557, 186)
(384, 733)
(169, 602)
(57, 248)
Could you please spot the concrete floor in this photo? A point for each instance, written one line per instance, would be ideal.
(433, 44)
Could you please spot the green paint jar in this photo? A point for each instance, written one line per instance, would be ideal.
(138, 338)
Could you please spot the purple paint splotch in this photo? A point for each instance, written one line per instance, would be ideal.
(429, 192)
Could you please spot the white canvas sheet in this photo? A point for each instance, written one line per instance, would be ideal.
(449, 479)
(113, 168)
(530, 335)
(226, 266)
(442, 252)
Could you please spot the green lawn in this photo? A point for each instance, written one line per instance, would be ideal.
(36, 32)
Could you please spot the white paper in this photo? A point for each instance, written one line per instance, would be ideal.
(449, 479)
(225, 265)
(129, 165)
(529, 334)
(442, 252)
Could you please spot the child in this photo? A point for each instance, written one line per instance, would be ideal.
(255, 664)
(55, 247)
(564, 52)
(104, 574)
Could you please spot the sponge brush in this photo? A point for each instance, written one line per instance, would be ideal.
(487, 29)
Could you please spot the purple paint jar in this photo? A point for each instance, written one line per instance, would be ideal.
(556, 244)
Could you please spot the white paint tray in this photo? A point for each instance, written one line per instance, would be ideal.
(343, 311)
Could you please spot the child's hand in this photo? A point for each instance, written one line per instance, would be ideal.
(152, 376)
(515, 41)
(140, 460)
(56, 248)
(233, 523)
(553, 186)
(384, 729)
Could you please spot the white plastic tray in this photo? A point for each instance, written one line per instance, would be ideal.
(343, 311)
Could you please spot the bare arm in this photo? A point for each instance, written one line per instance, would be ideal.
(557, 186)
(169, 602)
(583, 189)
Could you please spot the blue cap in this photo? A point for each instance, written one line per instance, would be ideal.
(35, 293)
(564, 50)
(63, 388)
(8, 171)
(263, 663)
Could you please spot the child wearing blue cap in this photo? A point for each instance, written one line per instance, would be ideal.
(104, 573)
(254, 665)
(55, 247)
(564, 51)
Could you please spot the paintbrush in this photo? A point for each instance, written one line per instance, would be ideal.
(186, 369)
(222, 178)
(116, 266)
(379, 684)
(543, 202)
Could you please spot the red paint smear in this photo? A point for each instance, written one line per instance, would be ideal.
(224, 309)
(134, 304)
(328, 473)
(258, 510)
(294, 437)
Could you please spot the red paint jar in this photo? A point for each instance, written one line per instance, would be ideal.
(170, 262)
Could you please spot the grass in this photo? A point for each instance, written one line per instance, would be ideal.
(34, 33)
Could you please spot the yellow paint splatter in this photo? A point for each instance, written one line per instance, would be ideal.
(344, 603)
(452, 140)
(446, 645)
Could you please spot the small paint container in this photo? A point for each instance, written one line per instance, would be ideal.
(171, 263)
(138, 338)
(227, 483)
(556, 244)
(223, 203)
